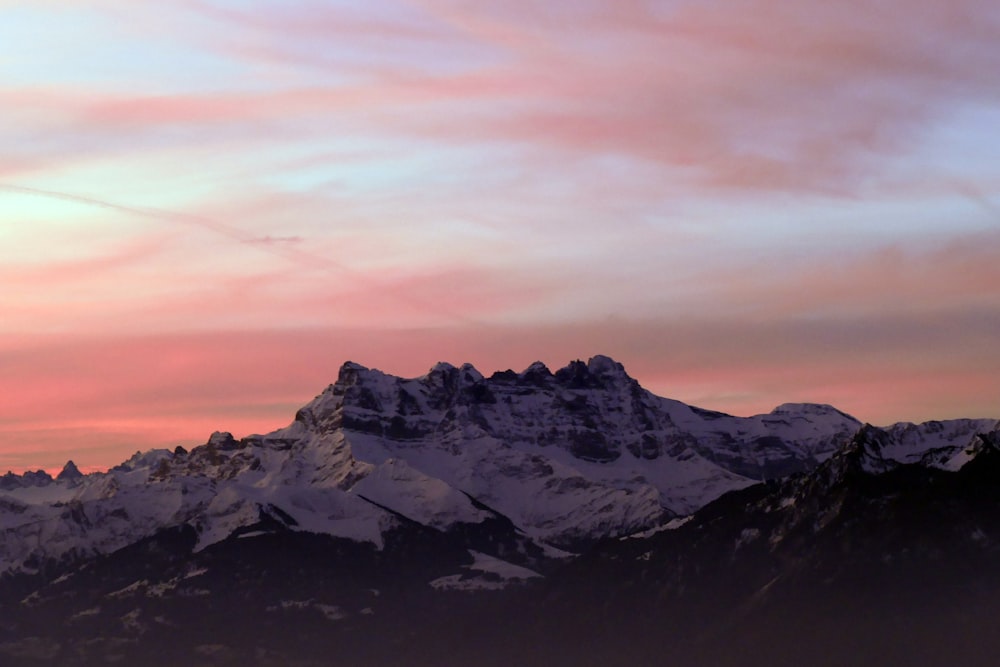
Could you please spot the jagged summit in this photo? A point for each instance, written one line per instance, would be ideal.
(30, 478)
(69, 472)
(598, 372)
(536, 367)
(602, 365)
(222, 439)
(577, 372)
(864, 454)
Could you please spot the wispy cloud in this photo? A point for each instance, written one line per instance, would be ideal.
(277, 245)
(746, 94)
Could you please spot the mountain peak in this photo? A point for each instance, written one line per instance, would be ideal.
(537, 374)
(349, 372)
(811, 410)
(352, 373)
(864, 453)
(597, 373)
(442, 367)
(470, 374)
(603, 365)
(69, 472)
(222, 440)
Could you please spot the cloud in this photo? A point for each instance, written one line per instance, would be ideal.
(277, 245)
(747, 94)
(739, 94)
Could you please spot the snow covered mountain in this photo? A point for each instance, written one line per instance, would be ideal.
(865, 560)
(431, 518)
(565, 458)
(883, 553)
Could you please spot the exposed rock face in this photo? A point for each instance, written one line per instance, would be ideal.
(69, 473)
(593, 410)
(30, 478)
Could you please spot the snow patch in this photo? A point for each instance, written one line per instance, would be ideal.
(486, 573)
(673, 524)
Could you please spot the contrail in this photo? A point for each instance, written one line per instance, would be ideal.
(234, 233)
(282, 246)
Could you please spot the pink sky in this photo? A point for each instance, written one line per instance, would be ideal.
(207, 206)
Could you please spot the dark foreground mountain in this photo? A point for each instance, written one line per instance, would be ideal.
(431, 522)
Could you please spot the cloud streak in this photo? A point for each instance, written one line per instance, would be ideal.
(743, 94)
(400, 293)
(746, 93)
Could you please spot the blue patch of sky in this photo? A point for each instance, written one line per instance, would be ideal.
(964, 146)
(83, 48)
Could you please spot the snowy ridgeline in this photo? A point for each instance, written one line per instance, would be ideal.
(564, 458)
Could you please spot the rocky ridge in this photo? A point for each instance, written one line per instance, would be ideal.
(566, 457)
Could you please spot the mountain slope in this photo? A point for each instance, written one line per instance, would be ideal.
(864, 560)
